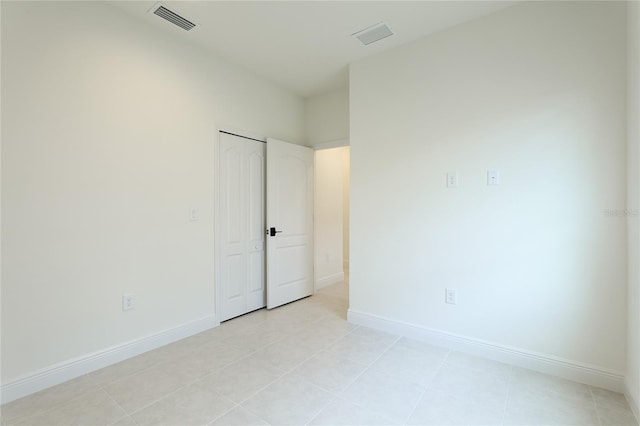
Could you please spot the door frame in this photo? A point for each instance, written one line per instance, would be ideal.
(217, 279)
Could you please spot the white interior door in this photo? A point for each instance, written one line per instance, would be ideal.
(241, 227)
(290, 222)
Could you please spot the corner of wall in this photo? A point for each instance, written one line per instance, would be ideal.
(632, 381)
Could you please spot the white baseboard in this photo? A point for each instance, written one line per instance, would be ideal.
(633, 398)
(328, 280)
(549, 364)
(77, 367)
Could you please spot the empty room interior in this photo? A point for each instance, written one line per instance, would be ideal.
(320, 213)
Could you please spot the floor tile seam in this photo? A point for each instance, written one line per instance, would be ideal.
(126, 376)
(364, 371)
(318, 413)
(433, 376)
(240, 360)
(332, 392)
(357, 362)
(244, 407)
(165, 396)
(567, 397)
(279, 340)
(256, 392)
(120, 406)
(396, 337)
(401, 377)
(122, 418)
(227, 365)
(16, 420)
(322, 406)
(241, 347)
(615, 407)
(313, 354)
(352, 330)
(415, 407)
(331, 343)
(215, 419)
(56, 406)
(506, 400)
(458, 396)
(479, 369)
(341, 397)
(334, 398)
(342, 358)
(298, 364)
(595, 406)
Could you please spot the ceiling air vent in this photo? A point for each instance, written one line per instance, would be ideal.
(373, 33)
(172, 17)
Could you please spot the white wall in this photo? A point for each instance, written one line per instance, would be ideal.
(327, 117)
(345, 207)
(108, 131)
(327, 125)
(633, 112)
(329, 215)
(536, 91)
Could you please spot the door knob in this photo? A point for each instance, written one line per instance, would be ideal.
(273, 232)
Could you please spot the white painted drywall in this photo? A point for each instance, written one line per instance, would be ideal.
(108, 130)
(633, 123)
(329, 215)
(345, 207)
(536, 91)
(327, 117)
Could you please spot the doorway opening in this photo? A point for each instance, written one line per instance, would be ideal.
(332, 220)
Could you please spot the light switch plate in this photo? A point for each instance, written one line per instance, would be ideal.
(451, 296)
(452, 179)
(194, 214)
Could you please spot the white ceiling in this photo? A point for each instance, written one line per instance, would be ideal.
(306, 46)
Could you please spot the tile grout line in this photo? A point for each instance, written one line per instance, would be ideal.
(57, 406)
(339, 395)
(285, 373)
(215, 419)
(506, 399)
(336, 395)
(160, 399)
(121, 407)
(595, 406)
(426, 387)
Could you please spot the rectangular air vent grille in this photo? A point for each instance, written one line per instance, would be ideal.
(374, 33)
(174, 18)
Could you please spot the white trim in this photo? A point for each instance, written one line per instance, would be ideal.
(217, 280)
(77, 367)
(631, 399)
(331, 144)
(345, 264)
(240, 132)
(328, 280)
(549, 364)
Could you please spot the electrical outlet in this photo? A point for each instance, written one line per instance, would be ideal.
(451, 296)
(493, 177)
(128, 302)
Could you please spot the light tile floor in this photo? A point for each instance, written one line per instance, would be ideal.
(303, 363)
